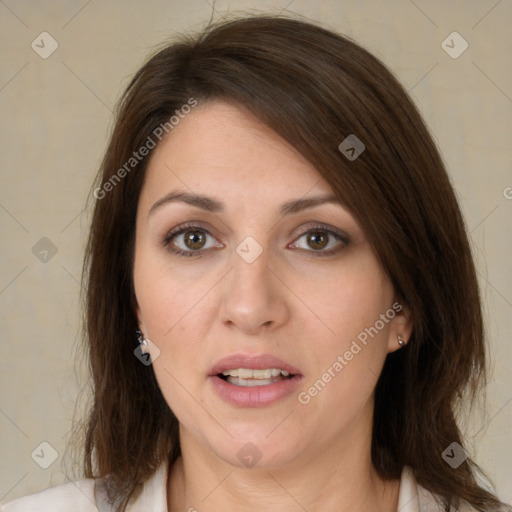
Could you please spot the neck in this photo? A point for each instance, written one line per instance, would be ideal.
(274, 492)
(338, 477)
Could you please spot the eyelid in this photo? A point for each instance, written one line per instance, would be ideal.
(183, 227)
(320, 226)
(341, 242)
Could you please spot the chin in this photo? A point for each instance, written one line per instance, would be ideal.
(256, 449)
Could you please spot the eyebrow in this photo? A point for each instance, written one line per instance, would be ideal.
(212, 205)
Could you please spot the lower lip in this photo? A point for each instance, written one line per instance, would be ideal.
(255, 396)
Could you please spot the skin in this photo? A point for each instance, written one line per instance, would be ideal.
(291, 302)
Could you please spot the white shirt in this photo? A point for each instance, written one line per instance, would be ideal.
(85, 496)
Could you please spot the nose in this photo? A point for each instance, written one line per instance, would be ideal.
(254, 298)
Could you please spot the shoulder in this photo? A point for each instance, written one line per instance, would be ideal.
(77, 496)
(89, 495)
(414, 497)
(429, 502)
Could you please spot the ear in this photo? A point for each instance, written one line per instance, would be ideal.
(140, 323)
(138, 316)
(400, 325)
(144, 348)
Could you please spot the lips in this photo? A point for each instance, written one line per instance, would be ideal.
(253, 381)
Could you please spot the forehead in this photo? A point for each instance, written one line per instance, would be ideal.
(219, 146)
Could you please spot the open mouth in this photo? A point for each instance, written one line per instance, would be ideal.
(244, 380)
(247, 377)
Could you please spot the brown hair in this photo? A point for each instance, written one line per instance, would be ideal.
(314, 88)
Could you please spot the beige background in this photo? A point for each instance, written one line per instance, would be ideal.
(56, 116)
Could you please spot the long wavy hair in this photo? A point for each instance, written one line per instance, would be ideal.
(314, 88)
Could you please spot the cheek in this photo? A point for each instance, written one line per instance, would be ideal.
(345, 299)
(170, 309)
(175, 319)
(168, 298)
(177, 323)
(350, 343)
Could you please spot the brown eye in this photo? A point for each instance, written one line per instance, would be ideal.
(190, 241)
(194, 240)
(321, 241)
(317, 239)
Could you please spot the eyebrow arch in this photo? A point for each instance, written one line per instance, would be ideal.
(299, 205)
(203, 202)
(212, 205)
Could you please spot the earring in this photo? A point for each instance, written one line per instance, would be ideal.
(401, 341)
(140, 338)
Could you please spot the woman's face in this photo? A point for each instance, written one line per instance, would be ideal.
(243, 263)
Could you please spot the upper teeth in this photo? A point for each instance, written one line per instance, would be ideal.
(247, 373)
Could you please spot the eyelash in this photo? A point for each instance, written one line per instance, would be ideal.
(312, 228)
(179, 231)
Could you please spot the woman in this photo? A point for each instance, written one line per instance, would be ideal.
(282, 307)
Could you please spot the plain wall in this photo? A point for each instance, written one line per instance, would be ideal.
(56, 117)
